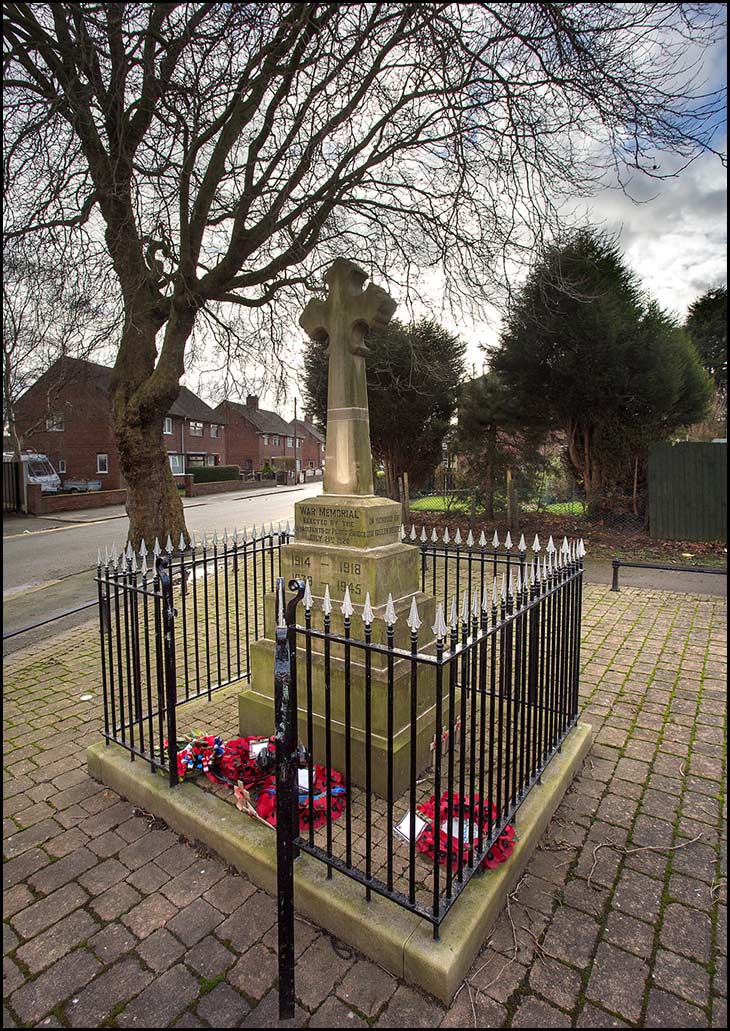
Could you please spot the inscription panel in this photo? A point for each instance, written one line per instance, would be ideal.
(347, 525)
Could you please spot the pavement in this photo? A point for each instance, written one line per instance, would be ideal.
(620, 920)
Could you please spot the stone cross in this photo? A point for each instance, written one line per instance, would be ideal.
(344, 318)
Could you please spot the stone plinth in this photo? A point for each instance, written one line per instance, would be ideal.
(256, 704)
(352, 543)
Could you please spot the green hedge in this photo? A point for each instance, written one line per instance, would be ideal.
(213, 473)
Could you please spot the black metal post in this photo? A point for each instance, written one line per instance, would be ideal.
(286, 771)
(168, 635)
(615, 563)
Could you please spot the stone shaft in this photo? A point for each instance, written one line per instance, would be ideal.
(344, 319)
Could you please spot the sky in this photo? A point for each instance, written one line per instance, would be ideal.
(673, 234)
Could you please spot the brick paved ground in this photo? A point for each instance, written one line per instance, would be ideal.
(620, 920)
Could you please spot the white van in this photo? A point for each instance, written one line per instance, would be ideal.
(38, 469)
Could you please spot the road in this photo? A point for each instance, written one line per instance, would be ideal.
(49, 563)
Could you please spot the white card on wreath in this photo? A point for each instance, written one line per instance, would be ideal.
(403, 829)
(258, 746)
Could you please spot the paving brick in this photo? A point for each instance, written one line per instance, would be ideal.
(115, 986)
(255, 972)
(20, 869)
(209, 958)
(106, 845)
(536, 1013)
(592, 1016)
(190, 885)
(681, 976)
(16, 898)
(223, 1007)
(248, 924)
(630, 934)
(177, 859)
(103, 876)
(333, 1013)
(161, 1001)
(67, 869)
(160, 950)
(617, 981)
(66, 843)
(555, 982)
(652, 832)
(13, 977)
(408, 1008)
(686, 931)
(115, 901)
(111, 942)
(665, 1010)
(36, 998)
(230, 892)
(152, 913)
(266, 1014)
(367, 987)
(17, 842)
(638, 895)
(146, 848)
(55, 942)
(47, 911)
(689, 891)
(148, 879)
(571, 935)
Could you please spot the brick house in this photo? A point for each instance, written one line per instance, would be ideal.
(255, 436)
(65, 414)
(310, 444)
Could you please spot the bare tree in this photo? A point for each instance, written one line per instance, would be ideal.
(48, 313)
(217, 154)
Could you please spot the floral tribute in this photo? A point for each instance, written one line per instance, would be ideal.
(266, 801)
(479, 813)
(197, 753)
(234, 763)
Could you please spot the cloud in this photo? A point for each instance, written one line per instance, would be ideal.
(676, 242)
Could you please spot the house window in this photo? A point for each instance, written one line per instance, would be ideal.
(300, 441)
(266, 438)
(275, 440)
(62, 465)
(177, 464)
(167, 426)
(214, 430)
(196, 461)
(102, 463)
(290, 441)
(55, 423)
(196, 429)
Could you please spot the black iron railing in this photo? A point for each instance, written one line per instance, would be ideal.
(466, 707)
(175, 626)
(496, 686)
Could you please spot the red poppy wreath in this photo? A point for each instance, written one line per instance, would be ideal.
(475, 814)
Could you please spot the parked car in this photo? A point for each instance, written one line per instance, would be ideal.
(80, 486)
(38, 469)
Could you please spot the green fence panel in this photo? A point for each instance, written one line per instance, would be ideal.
(688, 491)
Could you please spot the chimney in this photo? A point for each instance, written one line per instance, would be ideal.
(252, 401)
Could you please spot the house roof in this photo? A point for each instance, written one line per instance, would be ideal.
(309, 427)
(187, 405)
(263, 420)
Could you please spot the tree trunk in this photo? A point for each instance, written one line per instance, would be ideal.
(513, 518)
(142, 394)
(154, 505)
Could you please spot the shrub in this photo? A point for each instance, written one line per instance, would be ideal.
(213, 473)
